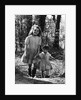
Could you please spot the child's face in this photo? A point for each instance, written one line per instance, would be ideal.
(45, 51)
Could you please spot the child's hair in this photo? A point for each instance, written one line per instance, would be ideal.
(32, 28)
(45, 48)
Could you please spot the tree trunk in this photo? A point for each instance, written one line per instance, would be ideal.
(29, 23)
(42, 22)
(42, 25)
(53, 18)
(56, 42)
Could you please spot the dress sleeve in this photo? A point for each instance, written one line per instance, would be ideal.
(40, 41)
(27, 41)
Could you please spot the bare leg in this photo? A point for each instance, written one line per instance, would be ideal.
(42, 74)
(47, 73)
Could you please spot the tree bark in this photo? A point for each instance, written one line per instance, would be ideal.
(53, 18)
(56, 42)
(42, 22)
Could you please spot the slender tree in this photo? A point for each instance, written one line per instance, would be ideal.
(29, 23)
(42, 21)
(53, 17)
(56, 42)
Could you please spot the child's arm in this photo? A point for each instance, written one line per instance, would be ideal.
(37, 55)
(51, 57)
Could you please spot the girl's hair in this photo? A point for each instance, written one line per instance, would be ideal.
(32, 28)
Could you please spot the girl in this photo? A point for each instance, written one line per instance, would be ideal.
(32, 46)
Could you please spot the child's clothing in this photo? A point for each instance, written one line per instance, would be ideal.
(45, 64)
(32, 44)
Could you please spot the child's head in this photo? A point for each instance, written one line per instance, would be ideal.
(45, 49)
(35, 30)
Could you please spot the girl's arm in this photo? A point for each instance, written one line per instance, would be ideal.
(26, 43)
(39, 44)
(38, 51)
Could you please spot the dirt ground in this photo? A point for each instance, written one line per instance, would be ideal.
(23, 79)
(21, 76)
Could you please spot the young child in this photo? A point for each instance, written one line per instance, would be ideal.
(43, 62)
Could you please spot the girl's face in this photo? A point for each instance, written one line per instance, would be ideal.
(35, 31)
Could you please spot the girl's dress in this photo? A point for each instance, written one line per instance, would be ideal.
(32, 44)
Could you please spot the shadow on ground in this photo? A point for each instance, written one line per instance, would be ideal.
(20, 79)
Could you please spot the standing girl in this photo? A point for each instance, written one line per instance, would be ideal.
(32, 46)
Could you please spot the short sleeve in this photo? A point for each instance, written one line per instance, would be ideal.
(27, 40)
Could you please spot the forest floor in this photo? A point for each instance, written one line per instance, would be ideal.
(21, 74)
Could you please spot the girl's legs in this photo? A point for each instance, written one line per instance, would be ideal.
(29, 63)
(34, 70)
